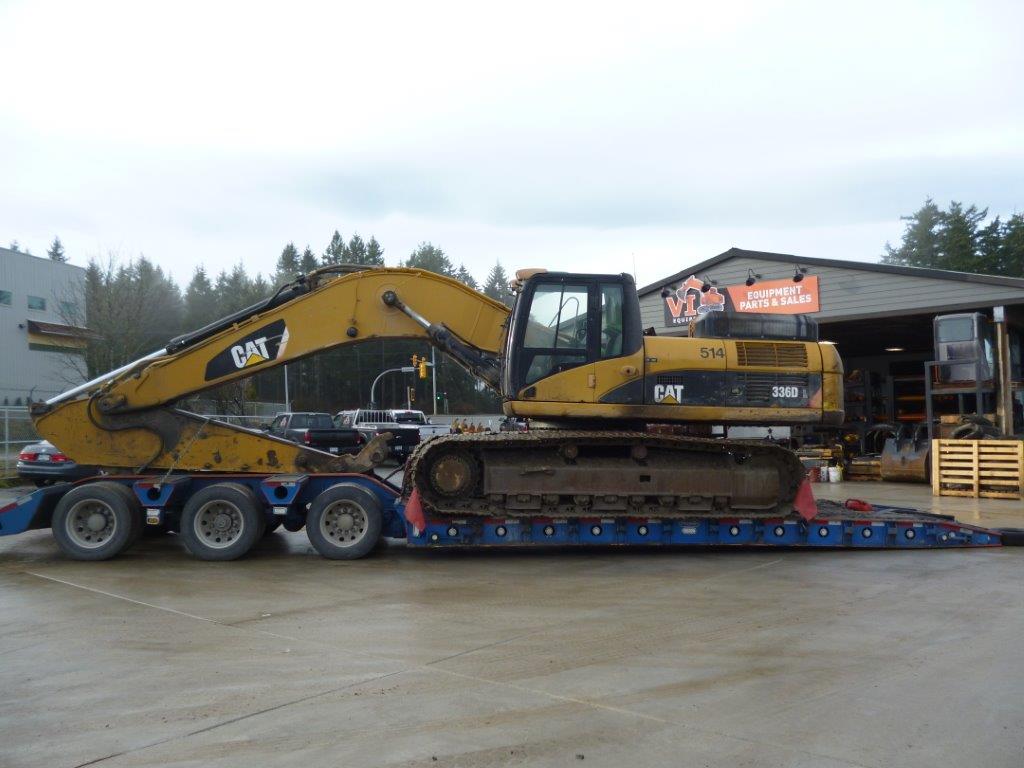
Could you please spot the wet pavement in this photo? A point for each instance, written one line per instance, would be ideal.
(488, 658)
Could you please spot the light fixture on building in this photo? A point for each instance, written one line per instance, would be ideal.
(708, 282)
(894, 349)
(666, 292)
(798, 273)
(752, 277)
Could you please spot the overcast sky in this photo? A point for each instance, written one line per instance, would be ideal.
(573, 136)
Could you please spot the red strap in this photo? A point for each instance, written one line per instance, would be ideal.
(858, 505)
(414, 511)
(804, 502)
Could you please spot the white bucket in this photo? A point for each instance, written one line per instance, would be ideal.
(835, 474)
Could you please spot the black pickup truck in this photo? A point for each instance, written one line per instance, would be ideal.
(370, 423)
(316, 430)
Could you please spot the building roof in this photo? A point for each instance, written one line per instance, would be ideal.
(8, 253)
(786, 258)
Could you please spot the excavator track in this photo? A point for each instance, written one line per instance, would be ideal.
(575, 474)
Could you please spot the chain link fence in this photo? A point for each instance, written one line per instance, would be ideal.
(17, 433)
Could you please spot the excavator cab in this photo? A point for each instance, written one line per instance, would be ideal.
(564, 322)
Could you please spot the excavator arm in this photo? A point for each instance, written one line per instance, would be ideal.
(127, 418)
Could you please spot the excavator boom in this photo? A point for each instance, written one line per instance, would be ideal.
(127, 420)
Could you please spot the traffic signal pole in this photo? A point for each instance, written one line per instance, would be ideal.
(433, 373)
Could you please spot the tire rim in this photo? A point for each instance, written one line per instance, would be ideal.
(343, 523)
(218, 524)
(91, 523)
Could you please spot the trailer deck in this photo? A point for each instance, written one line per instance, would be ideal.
(287, 499)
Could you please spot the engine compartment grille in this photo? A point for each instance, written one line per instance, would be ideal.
(771, 354)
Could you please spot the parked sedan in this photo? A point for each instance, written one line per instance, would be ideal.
(43, 464)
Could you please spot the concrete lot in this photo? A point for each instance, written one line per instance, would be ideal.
(517, 658)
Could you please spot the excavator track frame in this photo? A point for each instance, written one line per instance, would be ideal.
(549, 453)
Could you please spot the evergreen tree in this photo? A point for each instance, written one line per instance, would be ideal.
(14, 246)
(374, 253)
(1011, 247)
(431, 258)
(496, 285)
(287, 265)
(464, 276)
(201, 305)
(56, 251)
(356, 250)
(958, 238)
(920, 246)
(308, 262)
(334, 253)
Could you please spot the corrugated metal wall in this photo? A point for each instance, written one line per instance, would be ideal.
(848, 293)
(23, 370)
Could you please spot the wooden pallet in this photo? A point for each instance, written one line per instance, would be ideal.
(992, 469)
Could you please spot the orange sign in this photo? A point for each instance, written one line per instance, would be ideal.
(777, 297)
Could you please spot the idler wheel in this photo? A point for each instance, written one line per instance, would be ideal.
(454, 473)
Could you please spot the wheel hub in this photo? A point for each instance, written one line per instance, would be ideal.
(344, 523)
(90, 523)
(218, 524)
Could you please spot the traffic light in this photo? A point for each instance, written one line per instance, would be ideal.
(415, 361)
(423, 369)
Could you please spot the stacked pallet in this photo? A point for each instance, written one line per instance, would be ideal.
(992, 469)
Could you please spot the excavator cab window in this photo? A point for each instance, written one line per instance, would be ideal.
(564, 321)
(556, 330)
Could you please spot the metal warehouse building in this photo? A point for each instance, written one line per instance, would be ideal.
(39, 300)
(880, 317)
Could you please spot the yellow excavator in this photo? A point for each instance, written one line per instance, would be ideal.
(570, 355)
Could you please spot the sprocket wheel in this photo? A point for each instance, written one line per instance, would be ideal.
(454, 473)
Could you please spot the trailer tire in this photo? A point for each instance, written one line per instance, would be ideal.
(1011, 537)
(222, 522)
(344, 522)
(96, 521)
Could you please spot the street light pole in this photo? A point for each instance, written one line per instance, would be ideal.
(373, 387)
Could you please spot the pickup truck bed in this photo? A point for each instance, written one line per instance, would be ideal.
(317, 430)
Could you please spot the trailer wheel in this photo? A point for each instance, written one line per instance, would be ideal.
(222, 522)
(344, 522)
(1011, 537)
(96, 521)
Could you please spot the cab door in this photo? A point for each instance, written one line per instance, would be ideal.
(555, 361)
(619, 365)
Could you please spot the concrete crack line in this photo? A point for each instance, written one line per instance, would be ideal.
(239, 718)
(652, 718)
